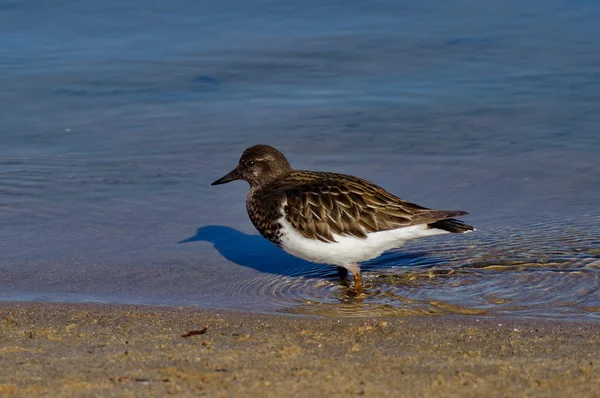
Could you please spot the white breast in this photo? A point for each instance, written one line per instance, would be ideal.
(347, 250)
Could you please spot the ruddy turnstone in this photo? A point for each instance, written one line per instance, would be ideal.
(331, 218)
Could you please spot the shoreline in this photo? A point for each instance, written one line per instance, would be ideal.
(125, 350)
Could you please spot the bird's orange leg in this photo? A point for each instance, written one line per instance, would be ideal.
(357, 283)
(355, 269)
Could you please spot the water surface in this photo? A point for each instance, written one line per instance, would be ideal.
(116, 116)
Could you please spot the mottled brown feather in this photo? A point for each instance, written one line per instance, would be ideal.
(319, 205)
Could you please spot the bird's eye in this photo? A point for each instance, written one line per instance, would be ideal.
(250, 163)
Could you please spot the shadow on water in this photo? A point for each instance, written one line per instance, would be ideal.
(252, 251)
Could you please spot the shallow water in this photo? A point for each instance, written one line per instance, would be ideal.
(116, 116)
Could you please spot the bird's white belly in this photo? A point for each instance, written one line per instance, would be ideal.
(347, 249)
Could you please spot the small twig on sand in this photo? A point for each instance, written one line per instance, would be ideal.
(195, 332)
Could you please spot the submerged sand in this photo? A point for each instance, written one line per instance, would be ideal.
(114, 350)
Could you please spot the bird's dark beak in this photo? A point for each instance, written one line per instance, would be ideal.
(231, 176)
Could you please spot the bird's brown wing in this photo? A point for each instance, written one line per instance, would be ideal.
(319, 205)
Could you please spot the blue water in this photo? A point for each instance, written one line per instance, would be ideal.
(115, 116)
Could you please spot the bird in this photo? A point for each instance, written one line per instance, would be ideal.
(331, 218)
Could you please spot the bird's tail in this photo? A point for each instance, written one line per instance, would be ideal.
(452, 225)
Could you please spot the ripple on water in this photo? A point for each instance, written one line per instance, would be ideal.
(543, 270)
(38, 188)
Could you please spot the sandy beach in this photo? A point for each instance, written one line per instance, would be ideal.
(51, 349)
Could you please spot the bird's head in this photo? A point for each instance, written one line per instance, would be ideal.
(259, 165)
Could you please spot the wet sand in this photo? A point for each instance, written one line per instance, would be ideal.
(113, 350)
